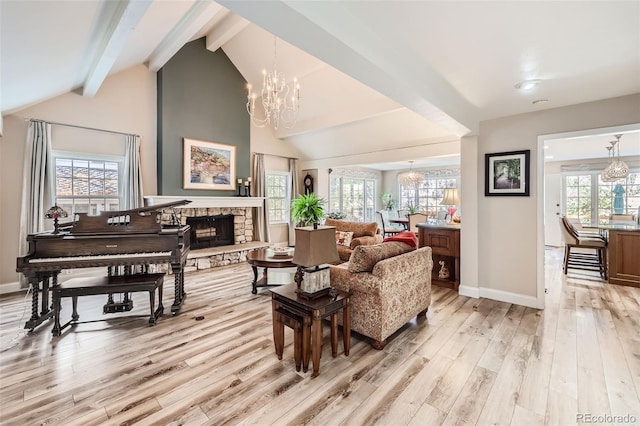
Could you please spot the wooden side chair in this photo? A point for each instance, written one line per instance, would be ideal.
(579, 260)
(388, 230)
(415, 219)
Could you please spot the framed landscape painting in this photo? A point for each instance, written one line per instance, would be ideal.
(507, 173)
(209, 165)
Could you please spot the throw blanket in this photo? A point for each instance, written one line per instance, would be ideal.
(404, 237)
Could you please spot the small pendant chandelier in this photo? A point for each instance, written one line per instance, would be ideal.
(605, 177)
(617, 169)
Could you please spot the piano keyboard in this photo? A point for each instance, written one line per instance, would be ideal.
(100, 257)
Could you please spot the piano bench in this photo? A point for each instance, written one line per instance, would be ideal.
(91, 286)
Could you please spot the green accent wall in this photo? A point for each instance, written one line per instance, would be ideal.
(201, 95)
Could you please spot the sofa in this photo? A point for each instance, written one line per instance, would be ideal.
(363, 234)
(390, 283)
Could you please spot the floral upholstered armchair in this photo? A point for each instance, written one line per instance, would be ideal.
(350, 235)
(390, 283)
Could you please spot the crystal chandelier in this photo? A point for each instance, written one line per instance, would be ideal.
(411, 178)
(279, 102)
(617, 169)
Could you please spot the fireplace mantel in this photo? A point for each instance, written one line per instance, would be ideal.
(206, 202)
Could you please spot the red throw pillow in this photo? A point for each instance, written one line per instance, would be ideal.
(404, 237)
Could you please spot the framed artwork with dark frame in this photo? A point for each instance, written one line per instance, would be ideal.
(507, 173)
(209, 165)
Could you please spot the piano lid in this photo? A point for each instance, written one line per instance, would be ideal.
(139, 220)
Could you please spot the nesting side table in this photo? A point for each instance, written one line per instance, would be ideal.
(285, 300)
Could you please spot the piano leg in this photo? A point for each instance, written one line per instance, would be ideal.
(35, 287)
(178, 284)
(45, 310)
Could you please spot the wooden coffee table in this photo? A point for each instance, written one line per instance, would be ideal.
(259, 258)
(312, 312)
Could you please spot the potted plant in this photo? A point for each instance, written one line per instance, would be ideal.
(307, 210)
(387, 201)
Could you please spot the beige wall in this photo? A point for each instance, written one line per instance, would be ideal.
(506, 228)
(126, 103)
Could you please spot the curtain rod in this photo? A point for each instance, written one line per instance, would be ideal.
(275, 155)
(80, 127)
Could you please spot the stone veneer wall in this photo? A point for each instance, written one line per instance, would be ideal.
(208, 261)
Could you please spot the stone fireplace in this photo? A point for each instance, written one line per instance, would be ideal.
(211, 231)
(239, 220)
(221, 228)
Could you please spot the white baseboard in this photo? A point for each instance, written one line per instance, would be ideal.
(499, 295)
(10, 287)
(464, 290)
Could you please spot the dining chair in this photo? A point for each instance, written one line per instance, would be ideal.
(578, 259)
(415, 219)
(388, 229)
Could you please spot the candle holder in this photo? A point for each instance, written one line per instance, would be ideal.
(246, 186)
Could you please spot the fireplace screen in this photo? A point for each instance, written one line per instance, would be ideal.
(211, 231)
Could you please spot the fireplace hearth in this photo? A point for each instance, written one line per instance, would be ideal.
(211, 231)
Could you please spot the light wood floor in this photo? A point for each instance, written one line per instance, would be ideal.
(472, 361)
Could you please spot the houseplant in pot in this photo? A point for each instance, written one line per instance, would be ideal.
(307, 209)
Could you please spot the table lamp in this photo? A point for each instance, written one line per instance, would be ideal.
(314, 249)
(54, 213)
(451, 199)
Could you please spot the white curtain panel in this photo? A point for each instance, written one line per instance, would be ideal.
(293, 170)
(36, 181)
(261, 219)
(133, 195)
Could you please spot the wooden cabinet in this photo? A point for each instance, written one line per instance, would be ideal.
(624, 257)
(444, 241)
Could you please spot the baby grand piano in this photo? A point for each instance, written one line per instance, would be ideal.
(125, 238)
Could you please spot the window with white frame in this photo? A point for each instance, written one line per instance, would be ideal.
(428, 196)
(278, 196)
(87, 184)
(591, 200)
(578, 196)
(353, 195)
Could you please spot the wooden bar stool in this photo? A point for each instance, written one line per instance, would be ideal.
(586, 261)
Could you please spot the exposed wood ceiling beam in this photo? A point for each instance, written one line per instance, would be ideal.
(123, 23)
(226, 29)
(199, 14)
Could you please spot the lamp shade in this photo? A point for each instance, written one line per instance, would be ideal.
(451, 197)
(55, 212)
(315, 246)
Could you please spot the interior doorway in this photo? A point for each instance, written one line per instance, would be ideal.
(547, 198)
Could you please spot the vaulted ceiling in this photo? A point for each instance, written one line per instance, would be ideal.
(375, 76)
